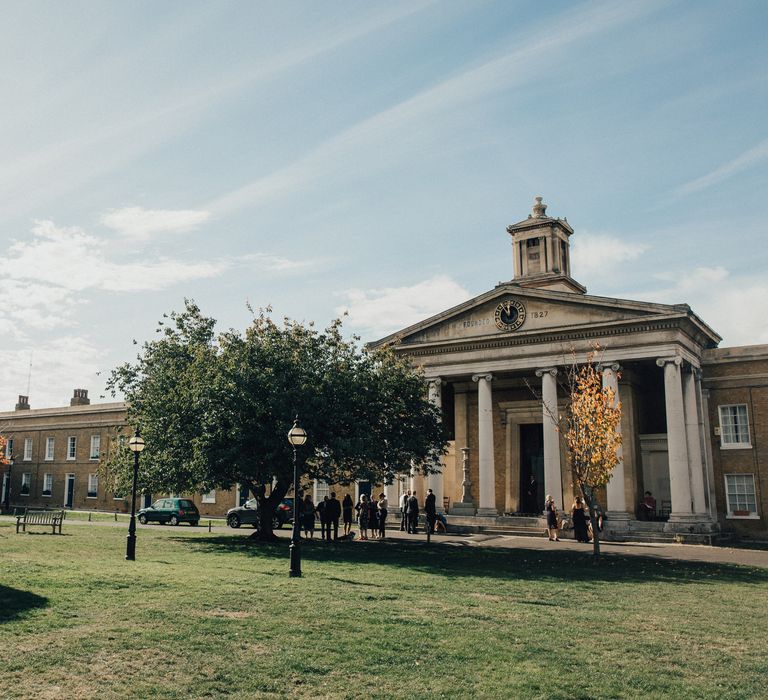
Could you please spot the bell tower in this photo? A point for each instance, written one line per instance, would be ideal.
(541, 251)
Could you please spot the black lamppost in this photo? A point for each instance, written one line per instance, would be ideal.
(136, 445)
(297, 436)
(8, 485)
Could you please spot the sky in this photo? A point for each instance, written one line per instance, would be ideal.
(365, 157)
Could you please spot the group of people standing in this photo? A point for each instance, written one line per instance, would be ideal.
(579, 518)
(370, 513)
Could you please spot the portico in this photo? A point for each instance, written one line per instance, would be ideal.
(502, 359)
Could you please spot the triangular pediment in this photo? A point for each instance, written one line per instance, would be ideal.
(511, 309)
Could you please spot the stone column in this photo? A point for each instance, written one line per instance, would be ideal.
(416, 485)
(487, 505)
(553, 482)
(466, 506)
(677, 449)
(617, 502)
(391, 491)
(435, 481)
(693, 442)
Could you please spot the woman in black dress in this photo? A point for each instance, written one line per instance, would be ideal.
(346, 514)
(579, 517)
(551, 510)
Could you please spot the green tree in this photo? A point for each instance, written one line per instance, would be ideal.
(215, 410)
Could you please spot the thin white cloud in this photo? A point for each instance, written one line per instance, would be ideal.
(748, 159)
(724, 301)
(601, 256)
(140, 224)
(58, 367)
(396, 126)
(377, 312)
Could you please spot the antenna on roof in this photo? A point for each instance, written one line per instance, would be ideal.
(29, 375)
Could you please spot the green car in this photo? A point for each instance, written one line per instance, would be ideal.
(172, 511)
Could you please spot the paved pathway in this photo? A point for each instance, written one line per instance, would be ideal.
(684, 552)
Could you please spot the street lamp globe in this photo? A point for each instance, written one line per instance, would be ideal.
(136, 443)
(297, 436)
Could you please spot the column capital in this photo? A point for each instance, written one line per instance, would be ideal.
(437, 381)
(696, 372)
(488, 377)
(613, 366)
(666, 360)
(546, 370)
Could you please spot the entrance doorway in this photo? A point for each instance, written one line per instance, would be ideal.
(532, 463)
(364, 487)
(69, 491)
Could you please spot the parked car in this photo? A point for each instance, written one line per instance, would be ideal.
(248, 514)
(172, 511)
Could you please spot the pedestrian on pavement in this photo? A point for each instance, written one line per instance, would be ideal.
(332, 514)
(321, 515)
(413, 513)
(551, 510)
(346, 508)
(404, 511)
(307, 515)
(430, 510)
(382, 506)
(363, 514)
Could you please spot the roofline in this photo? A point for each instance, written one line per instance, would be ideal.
(65, 410)
(570, 297)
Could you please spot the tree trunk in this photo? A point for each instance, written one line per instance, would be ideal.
(267, 507)
(588, 495)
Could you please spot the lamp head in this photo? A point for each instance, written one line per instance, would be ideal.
(297, 436)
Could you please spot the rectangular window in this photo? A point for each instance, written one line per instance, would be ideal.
(209, 497)
(9, 448)
(740, 492)
(26, 482)
(47, 484)
(322, 489)
(95, 446)
(27, 449)
(71, 448)
(93, 485)
(49, 445)
(734, 426)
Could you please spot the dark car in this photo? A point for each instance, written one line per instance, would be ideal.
(172, 511)
(248, 514)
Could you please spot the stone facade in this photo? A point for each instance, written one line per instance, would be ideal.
(500, 360)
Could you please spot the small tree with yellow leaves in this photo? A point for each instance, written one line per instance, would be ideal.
(590, 428)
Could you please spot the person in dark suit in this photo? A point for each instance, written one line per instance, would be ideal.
(321, 512)
(332, 514)
(413, 513)
(430, 510)
(404, 510)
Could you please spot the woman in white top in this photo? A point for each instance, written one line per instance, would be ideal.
(383, 504)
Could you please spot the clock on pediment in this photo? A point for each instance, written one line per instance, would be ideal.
(510, 315)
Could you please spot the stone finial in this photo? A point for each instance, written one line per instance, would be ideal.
(539, 209)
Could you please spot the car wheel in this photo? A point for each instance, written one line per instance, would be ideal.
(173, 520)
(143, 519)
(233, 521)
(276, 523)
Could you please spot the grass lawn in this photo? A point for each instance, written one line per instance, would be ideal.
(206, 616)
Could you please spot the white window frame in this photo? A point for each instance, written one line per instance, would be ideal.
(321, 490)
(209, 497)
(93, 480)
(743, 445)
(50, 446)
(730, 514)
(95, 446)
(26, 480)
(9, 448)
(71, 448)
(27, 449)
(47, 481)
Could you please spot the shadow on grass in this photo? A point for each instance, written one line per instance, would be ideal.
(517, 563)
(14, 603)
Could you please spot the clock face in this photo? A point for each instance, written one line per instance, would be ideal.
(510, 315)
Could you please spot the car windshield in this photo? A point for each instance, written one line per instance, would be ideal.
(253, 503)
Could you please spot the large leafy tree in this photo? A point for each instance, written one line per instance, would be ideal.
(215, 410)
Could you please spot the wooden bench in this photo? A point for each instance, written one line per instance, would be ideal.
(52, 518)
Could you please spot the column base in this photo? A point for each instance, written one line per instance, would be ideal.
(487, 513)
(617, 520)
(461, 508)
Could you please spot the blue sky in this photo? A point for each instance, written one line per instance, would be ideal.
(367, 156)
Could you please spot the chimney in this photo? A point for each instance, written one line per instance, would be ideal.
(80, 398)
(23, 404)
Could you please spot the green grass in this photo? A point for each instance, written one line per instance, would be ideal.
(206, 616)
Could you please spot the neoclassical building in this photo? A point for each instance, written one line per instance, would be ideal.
(695, 417)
